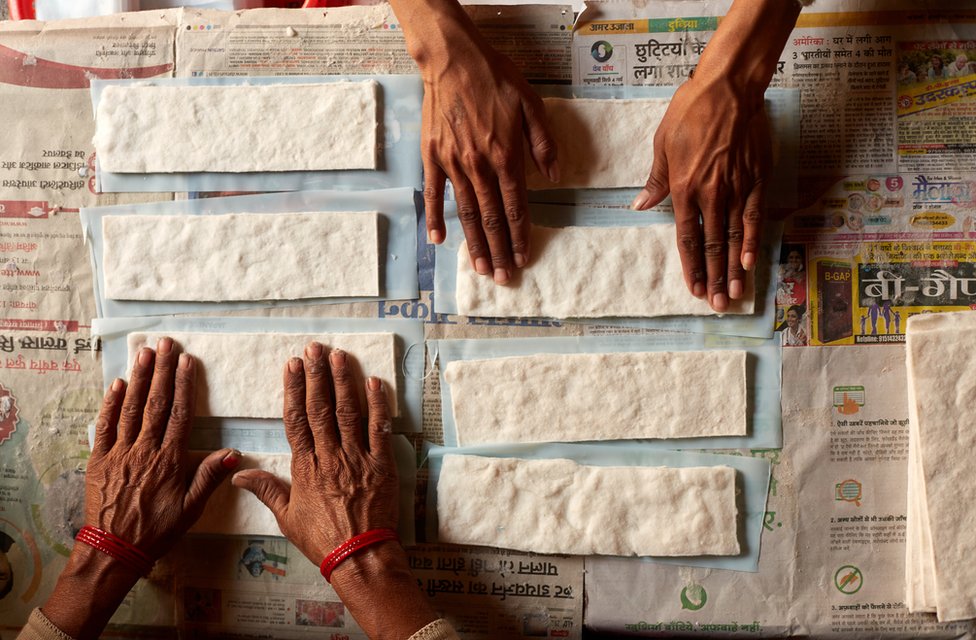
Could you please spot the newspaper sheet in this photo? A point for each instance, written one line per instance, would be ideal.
(49, 364)
(884, 231)
(886, 178)
(50, 367)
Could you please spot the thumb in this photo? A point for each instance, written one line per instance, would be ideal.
(209, 474)
(657, 186)
(267, 488)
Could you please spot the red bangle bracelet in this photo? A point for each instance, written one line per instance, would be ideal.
(351, 546)
(116, 547)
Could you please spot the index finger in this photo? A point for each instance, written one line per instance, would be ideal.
(515, 200)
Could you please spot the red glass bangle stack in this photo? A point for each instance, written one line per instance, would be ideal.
(351, 546)
(116, 547)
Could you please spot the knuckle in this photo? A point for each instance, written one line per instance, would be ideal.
(735, 235)
(347, 415)
(714, 249)
(476, 248)
(514, 213)
(342, 376)
(468, 214)
(689, 242)
(317, 409)
(157, 406)
(431, 193)
(295, 416)
(544, 147)
(751, 216)
(102, 425)
(717, 281)
(180, 413)
(492, 223)
(131, 412)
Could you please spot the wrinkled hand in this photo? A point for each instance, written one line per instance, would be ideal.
(712, 153)
(338, 488)
(140, 484)
(478, 112)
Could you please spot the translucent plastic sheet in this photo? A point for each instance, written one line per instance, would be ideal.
(752, 485)
(397, 234)
(758, 325)
(399, 99)
(763, 377)
(263, 434)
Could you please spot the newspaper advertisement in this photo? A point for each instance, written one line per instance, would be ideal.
(883, 232)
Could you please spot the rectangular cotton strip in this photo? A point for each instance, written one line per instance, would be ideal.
(591, 272)
(232, 511)
(241, 256)
(559, 506)
(145, 128)
(602, 143)
(940, 375)
(600, 396)
(240, 374)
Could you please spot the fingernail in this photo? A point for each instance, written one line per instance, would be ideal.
(520, 260)
(748, 260)
(313, 350)
(164, 346)
(338, 357)
(434, 236)
(735, 289)
(554, 172)
(501, 276)
(117, 385)
(698, 289)
(374, 384)
(640, 201)
(295, 365)
(482, 266)
(231, 460)
(145, 356)
(185, 361)
(720, 301)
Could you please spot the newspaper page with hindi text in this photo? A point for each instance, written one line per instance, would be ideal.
(50, 370)
(883, 231)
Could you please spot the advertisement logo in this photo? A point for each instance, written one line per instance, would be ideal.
(693, 597)
(848, 491)
(848, 579)
(8, 414)
(848, 399)
(601, 51)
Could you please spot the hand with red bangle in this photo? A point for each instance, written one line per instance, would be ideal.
(142, 492)
(341, 489)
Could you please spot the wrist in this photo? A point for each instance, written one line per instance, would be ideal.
(437, 33)
(746, 47)
(381, 593)
(88, 591)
